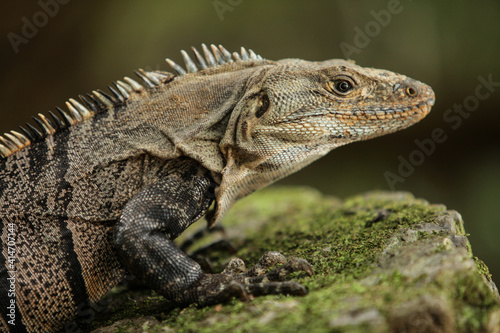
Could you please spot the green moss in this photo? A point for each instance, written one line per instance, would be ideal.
(344, 242)
(482, 268)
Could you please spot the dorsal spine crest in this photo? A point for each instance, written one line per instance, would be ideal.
(99, 100)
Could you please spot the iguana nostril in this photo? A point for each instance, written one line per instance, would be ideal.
(412, 92)
(409, 90)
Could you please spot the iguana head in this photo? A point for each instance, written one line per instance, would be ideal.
(296, 111)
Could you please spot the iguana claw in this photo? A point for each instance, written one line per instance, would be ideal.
(236, 281)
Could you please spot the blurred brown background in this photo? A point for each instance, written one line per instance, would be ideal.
(80, 46)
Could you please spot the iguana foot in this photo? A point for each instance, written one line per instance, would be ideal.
(236, 281)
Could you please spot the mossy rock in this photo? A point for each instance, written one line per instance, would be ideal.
(383, 262)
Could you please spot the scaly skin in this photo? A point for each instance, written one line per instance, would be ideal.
(106, 188)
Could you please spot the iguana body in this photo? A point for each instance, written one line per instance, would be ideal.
(106, 188)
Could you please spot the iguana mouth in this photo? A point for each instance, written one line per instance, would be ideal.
(389, 113)
(403, 110)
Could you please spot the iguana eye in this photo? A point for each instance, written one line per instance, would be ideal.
(263, 105)
(341, 86)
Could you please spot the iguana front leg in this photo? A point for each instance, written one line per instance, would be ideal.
(159, 213)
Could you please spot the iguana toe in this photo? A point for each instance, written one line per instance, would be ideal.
(237, 282)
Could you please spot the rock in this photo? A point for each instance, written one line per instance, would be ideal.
(384, 262)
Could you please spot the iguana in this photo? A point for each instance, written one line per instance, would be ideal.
(106, 186)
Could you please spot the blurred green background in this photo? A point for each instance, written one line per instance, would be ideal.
(83, 46)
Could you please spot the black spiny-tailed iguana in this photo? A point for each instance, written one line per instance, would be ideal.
(106, 186)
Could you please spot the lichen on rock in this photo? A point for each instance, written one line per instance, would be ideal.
(383, 261)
